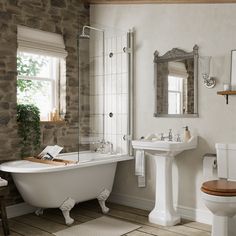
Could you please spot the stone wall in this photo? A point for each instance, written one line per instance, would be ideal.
(65, 17)
(162, 88)
(190, 85)
(84, 94)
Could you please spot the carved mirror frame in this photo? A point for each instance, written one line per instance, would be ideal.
(174, 55)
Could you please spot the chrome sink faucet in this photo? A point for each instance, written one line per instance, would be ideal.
(170, 136)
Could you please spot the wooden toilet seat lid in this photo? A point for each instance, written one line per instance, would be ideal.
(219, 188)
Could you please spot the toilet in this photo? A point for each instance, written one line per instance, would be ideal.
(219, 195)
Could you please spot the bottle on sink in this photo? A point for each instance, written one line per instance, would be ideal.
(187, 134)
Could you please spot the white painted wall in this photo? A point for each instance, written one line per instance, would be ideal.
(162, 27)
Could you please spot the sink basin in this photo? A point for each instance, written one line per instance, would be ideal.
(168, 146)
(164, 152)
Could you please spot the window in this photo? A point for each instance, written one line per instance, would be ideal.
(37, 82)
(175, 93)
(41, 71)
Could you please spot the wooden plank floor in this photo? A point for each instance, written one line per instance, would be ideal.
(52, 221)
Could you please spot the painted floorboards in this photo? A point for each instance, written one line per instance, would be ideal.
(52, 221)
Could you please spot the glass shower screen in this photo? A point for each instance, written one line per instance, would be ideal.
(105, 119)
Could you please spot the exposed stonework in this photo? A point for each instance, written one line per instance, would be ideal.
(84, 93)
(190, 85)
(162, 87)
(59, 16)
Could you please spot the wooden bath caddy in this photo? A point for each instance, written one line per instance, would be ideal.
(56, 162)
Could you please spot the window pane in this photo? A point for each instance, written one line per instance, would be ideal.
(34, 65)
(174, 103)
(36, 92)
(172, 83)
(175, 83)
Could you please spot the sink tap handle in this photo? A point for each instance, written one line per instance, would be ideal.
(178, 139)
(162, 136)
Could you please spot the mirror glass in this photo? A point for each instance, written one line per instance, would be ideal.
(176, 83)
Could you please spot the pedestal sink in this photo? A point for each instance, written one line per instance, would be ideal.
(164, 153)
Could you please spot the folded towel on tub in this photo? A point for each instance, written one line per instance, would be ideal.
(140, 168)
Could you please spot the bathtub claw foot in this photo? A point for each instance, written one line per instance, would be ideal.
(39, 212)
(66, 206)
(68, 219)
(102, 200)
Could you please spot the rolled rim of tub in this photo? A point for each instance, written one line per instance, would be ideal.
(86, 159)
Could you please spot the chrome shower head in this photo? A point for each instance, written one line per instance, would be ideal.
(84, 36)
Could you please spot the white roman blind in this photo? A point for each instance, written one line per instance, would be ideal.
(40, 42)
(177, 69)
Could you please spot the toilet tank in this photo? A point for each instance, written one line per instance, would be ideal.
(226, 160)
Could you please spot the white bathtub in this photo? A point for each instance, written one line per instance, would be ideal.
(47, 186)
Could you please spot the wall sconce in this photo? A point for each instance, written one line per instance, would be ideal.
(209, 82)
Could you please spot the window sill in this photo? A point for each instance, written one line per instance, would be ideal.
(59, 122)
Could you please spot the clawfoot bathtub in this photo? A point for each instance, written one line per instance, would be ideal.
(48, 186)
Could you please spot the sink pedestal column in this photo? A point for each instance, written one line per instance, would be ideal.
(163, 212)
